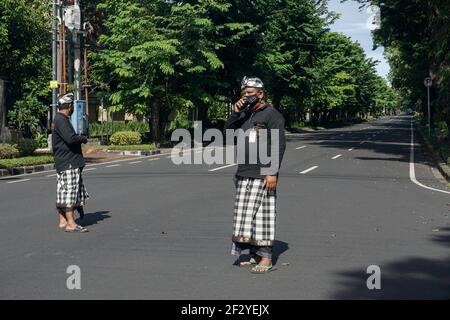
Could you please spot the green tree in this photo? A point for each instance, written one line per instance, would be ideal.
(25, 59)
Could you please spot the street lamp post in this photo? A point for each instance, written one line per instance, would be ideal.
(428, 83)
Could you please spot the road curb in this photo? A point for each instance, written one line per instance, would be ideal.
(27, 169)
(443, 168)
(135, 153)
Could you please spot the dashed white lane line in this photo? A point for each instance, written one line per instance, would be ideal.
(351, 149)
(335, 157)
(223, 167)
(302, 147)
(113, 165)
(309, 170)
(21, 180)
(134, 162)
(89, 169)
(412, 172)
(153, 159)
(51, 175)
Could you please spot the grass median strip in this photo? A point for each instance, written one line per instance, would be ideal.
(26, 161)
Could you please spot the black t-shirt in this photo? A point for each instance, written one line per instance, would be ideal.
(66, 144)
(267, 118)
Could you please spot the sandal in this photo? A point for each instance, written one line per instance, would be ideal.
(265, 268)
(78, 228)
(251, 263)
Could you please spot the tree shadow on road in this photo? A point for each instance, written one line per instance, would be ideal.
(410, 278)
(93, 218)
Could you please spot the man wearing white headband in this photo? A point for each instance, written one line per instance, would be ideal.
(71, 193)
(255, 202)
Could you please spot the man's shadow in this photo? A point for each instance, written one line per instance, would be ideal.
(279, 247)
(93, 218)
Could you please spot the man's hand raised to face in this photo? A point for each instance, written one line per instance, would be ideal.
(238, 105)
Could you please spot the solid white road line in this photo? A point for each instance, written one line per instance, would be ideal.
(21, 180)
(412, 172)
(227, 166)
(308, 170)
(335, 157)
(302, 147)
(89, 169)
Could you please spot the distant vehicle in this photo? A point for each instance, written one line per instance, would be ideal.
(409, 111)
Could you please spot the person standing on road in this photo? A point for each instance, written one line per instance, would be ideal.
(255, 202)
(71, 194)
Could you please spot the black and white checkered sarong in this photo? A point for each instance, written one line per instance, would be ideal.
(70, 189)
(254, 214)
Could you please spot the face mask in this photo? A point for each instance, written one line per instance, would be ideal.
(250, 101)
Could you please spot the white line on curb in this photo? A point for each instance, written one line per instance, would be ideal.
(412, 172)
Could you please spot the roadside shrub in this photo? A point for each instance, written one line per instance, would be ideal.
(26, 147)
(8, 151)
(123, 138)
(109, 128)
(41, 140)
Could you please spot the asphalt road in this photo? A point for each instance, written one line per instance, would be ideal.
(158, 230)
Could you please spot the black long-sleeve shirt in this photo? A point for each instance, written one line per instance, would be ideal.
(268, 118)
(66, 144)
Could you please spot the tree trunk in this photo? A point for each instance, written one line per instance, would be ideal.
(154, 125)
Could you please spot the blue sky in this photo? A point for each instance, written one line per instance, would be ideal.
(354, 23)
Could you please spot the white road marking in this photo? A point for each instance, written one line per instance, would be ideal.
(113, 165)
(362, 142)
(89, 169)
(21, 180)
(302, 147)
(223, 167)
(308, 170)
(351, 149)
(153, 159)
(335, 157)
(134, 162)
(51, 175)
(412, 172)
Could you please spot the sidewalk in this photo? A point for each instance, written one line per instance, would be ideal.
(91, 155)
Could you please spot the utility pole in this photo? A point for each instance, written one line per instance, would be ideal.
(77, 51)
(56, 4)
(428, 83)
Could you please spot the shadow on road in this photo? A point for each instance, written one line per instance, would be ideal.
(393, 145)
(93, 218)
(279, 248)
(410, 278)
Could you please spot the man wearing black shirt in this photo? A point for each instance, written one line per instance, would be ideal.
(255, 203)
(71, 193)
